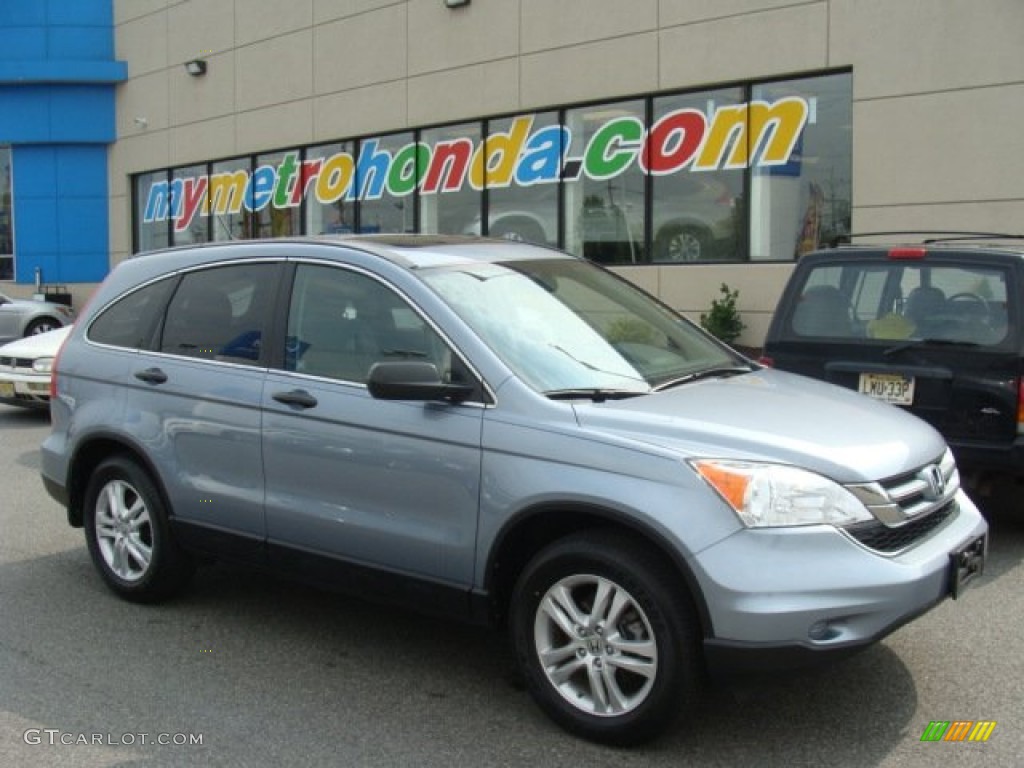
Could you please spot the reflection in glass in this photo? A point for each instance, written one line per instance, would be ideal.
(804, 203)
(196, 229)
(329, 208)
(280, 216)
(227, 192)
(448, 202)
(154, 234)
(519, 211)
(604, 208)
(697, 213)
(386, 180)
(6, 218)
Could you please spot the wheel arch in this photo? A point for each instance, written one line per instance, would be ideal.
(42, 319)
(536, 527)
(93, 452)
(511, 218)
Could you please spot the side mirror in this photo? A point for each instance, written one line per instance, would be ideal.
(413, 381)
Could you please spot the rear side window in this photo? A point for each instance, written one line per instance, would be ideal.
(132, 320)
(904, 300)
(222, 313)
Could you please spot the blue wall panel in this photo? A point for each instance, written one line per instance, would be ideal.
(57, 77)
(61, 213)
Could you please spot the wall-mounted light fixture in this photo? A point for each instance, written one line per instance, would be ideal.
(196, 67)
(455, 3)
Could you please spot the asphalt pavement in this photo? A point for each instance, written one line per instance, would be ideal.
(247, 670)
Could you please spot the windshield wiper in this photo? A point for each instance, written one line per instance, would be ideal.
(597, 394)
(914, 343)
(707, 373)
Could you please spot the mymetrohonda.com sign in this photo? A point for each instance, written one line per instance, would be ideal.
(757, 133)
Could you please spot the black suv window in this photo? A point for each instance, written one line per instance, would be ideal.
(221, 313)
(132, 321)
(341, 322)
(904, 300)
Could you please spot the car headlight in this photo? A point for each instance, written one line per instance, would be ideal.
(42, 364)
(770, 495)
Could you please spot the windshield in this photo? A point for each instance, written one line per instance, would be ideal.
(564, 324)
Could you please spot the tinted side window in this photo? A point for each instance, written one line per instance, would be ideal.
(341, 322)
(222, 313)
(132, 320)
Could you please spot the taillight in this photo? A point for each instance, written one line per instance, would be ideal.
(53, 369)
(765, 360)
(907, 253)
(1020, 406)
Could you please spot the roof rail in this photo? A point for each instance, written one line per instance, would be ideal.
(943, 236)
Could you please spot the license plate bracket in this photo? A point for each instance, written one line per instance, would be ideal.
(965, 563)
(892, 388)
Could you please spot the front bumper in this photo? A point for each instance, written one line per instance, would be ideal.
(17, 388)
(792, 597)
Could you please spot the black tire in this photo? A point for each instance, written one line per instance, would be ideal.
(41, 325)
(677, 243)
(594, 657)
(520, 230)
(128, 536)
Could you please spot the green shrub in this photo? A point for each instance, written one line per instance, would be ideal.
(723, 321)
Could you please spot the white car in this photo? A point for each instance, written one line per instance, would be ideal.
(25, 368)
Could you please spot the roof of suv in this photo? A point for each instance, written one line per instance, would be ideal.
(409, 251)
(933, 241)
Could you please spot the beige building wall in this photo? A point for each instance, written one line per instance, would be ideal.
(938, 91)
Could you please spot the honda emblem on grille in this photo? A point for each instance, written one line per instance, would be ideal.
(935, 482)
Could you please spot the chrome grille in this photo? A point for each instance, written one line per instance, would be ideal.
(16, 362)
(907, 507)
(882, 538)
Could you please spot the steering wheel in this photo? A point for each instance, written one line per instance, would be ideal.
(967, 296)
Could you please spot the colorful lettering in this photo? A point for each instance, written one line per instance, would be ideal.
(733, 136)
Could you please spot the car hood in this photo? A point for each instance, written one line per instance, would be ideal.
(769, 415)
(39, 345)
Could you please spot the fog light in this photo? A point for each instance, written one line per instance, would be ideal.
(822, 630)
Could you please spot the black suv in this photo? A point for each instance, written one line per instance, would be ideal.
(935, 328)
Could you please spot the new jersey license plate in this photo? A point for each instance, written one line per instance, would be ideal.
(893, 388)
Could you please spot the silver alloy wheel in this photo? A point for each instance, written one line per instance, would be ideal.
(595, 645)
(683, 245)
(42, 326)
(124, 531)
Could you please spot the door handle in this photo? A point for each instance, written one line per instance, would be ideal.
(151, 376)
(297, 397)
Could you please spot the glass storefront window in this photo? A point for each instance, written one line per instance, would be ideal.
(279, 217)
(801, 204)
(152, 206)
(183, 184)
(523, 208)
(330, 208)
(604, 185)
(6, 216)
(230, 218)
(449, 201)
(386, 175)
(697, 207)
(751, 172)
